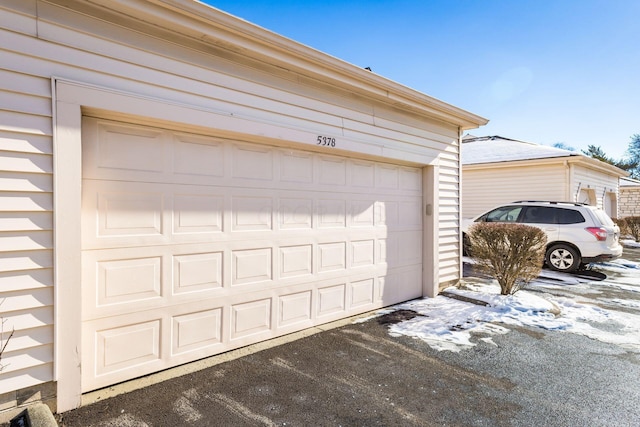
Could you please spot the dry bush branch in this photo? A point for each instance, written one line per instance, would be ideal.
(630, 226)
(3, 345)
(513, 254)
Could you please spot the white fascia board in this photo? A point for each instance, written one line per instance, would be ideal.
(599, 165)
(585, 161)
(515, 163)
(207, 24)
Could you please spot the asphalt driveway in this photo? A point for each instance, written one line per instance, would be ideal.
(359, 375)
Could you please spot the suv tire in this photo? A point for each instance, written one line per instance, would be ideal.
(562, 258)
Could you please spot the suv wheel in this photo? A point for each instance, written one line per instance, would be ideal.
(562, 258)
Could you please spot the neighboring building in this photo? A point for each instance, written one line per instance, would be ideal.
(177, 183)
(629, 198)
(498, 170)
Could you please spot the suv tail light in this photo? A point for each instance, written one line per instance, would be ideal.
(599, 232)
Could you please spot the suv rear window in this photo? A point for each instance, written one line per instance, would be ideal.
(603, 217)
(551, 215)
(569, 216)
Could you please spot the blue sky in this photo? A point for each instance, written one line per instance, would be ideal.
(543, 71)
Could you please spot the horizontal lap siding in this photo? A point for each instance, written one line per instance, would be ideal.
(600, 183)
(26, 217)
(449, 217)
(483, 189)
(188, 75)
(26, 229)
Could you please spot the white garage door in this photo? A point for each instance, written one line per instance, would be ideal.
(193, 246)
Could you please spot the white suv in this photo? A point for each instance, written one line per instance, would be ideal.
(577, 234)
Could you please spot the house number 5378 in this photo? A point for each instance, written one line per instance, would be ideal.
(326, 141)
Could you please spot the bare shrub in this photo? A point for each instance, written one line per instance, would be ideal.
(513, 254)
(630, 226)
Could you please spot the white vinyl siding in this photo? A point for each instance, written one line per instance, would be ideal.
(26, 224)
(485, 188)
(603, 188)
(449, 217)
(285, 107)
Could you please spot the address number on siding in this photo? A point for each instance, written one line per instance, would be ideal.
(326, 141)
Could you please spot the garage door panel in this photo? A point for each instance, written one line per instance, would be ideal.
(196, 331)
(252, 213)
(295, 213)
(362, 293)
(252, 162)
(295, 261)
(331, 213)
(332, 300)
(116, 352)
(250, 318)
(387, 176)
(198, 213)
(120, 214)
(112, 211)
(221, 243)
(388, 214)
(128, 281)
(332, 171)
(198, 157)
(206, 330)
(362, 213)
(128, 346)
(410, 215)
(362, 174)
(118, 281)
(410, 179)
(362, 253)
(296, 167)
(295, 309)
(130, 151)
(197, 272)
(332, 256)
(401, 284)
(139, 218)
(409, 247)
(252, 266)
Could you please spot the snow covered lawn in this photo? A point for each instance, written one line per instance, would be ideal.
(607, 310)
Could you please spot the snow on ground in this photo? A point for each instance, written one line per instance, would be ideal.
(606, 310)
(630, 243)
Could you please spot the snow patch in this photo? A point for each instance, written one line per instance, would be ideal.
(447, 323)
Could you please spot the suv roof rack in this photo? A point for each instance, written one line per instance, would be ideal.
(551, 202)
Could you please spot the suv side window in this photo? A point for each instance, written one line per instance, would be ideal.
(540, 215)
(502, 214)
(569, 216)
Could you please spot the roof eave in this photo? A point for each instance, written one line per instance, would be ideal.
(574, 158)
(210, 25)
(599, 164)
